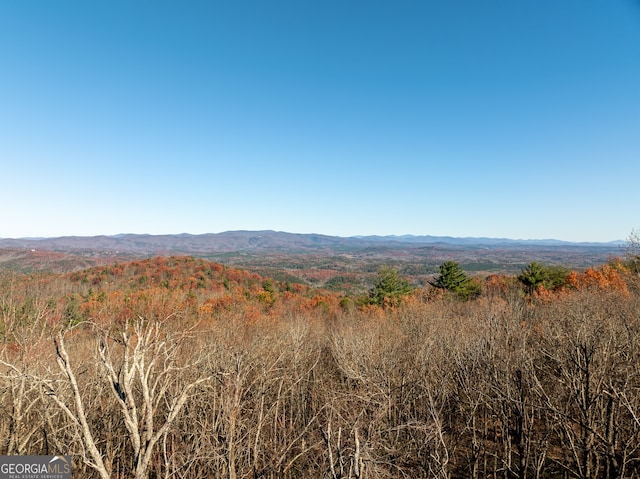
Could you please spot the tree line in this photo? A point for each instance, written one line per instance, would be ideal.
(168, 377)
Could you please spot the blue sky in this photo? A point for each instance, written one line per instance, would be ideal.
(498, 118)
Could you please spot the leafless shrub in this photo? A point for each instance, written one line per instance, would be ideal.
(497, 387)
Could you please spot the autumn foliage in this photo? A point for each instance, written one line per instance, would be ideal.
(185, 368)
(605, 278)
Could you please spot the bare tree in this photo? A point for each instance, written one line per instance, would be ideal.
(632, 251)
(147, 381)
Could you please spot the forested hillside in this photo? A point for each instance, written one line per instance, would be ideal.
(331, 262)
(185, 368)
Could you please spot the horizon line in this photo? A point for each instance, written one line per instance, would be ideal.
(358, 236)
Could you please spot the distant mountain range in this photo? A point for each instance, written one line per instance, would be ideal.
(484, 241)
(267, 241)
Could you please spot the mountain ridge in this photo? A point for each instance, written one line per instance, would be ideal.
(267, 240)
(481, 240)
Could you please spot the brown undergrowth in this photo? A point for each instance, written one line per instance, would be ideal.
(205, 371)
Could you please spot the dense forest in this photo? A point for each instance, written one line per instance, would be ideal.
(177, 367)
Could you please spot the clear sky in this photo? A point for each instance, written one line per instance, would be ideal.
(494, 118)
